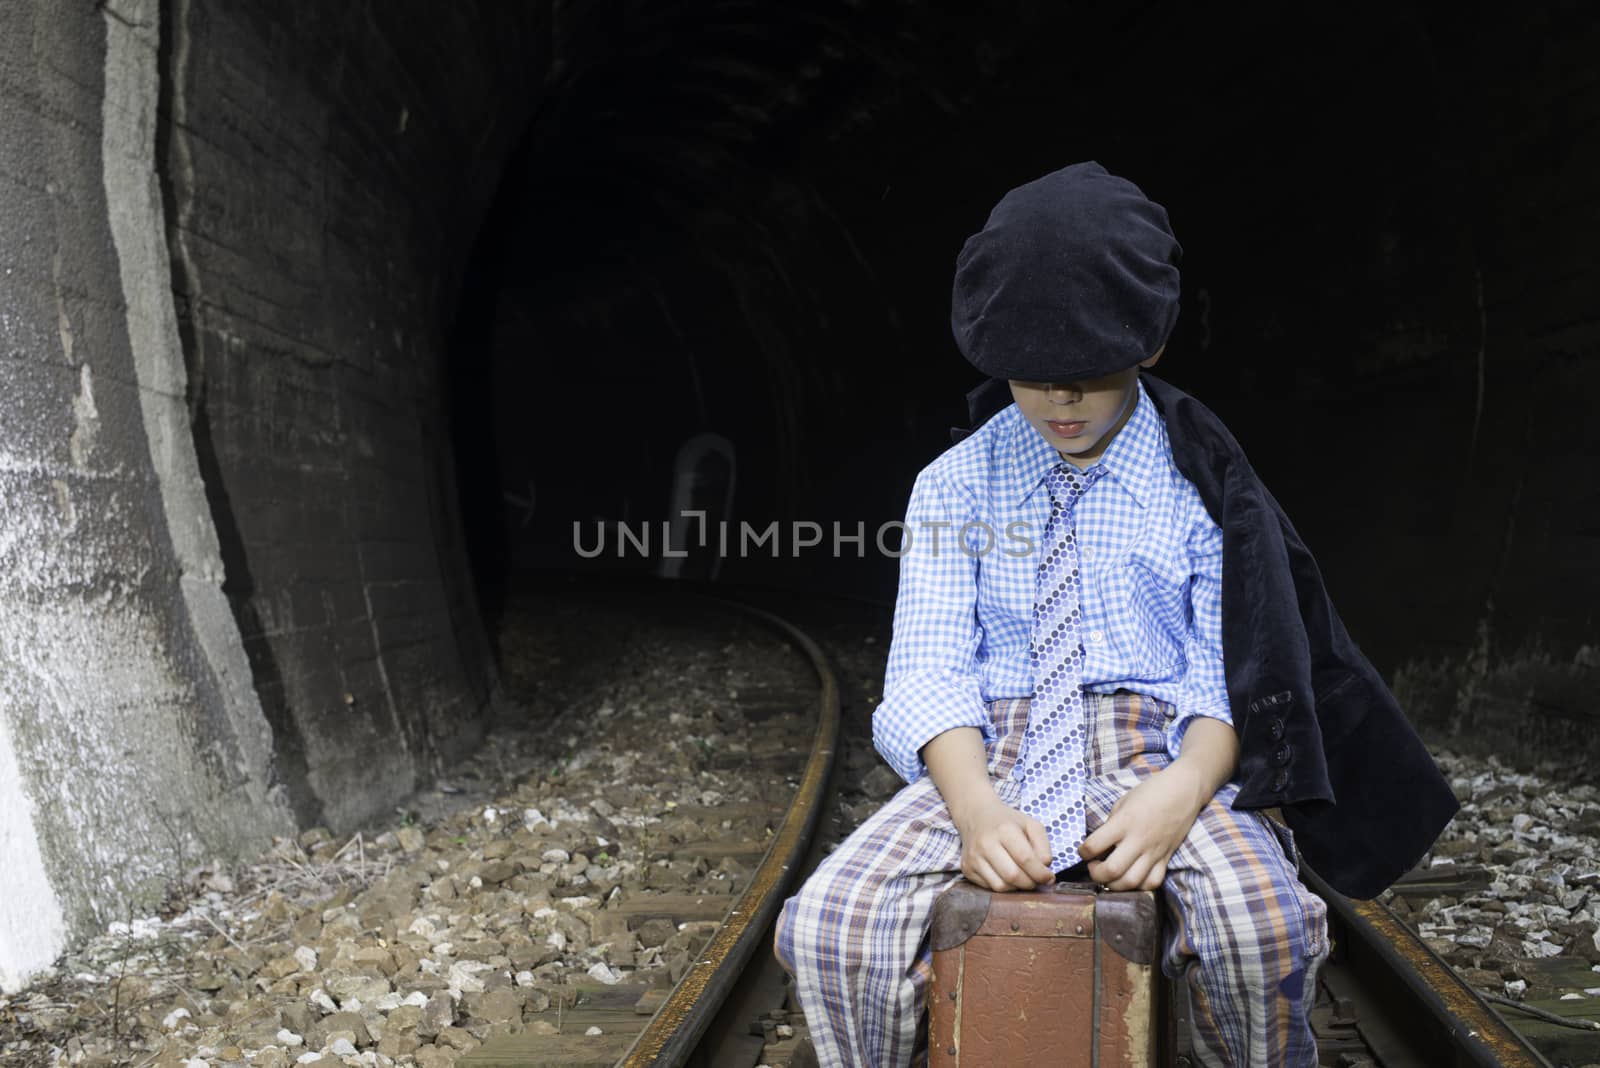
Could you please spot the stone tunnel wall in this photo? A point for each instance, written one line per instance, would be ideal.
(232, 590)
(326, 170)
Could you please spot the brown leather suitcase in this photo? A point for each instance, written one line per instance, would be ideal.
(1063, 975)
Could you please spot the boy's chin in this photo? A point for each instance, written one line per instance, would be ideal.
(1071, 448)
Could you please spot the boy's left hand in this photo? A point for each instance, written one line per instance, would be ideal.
(1147, 824)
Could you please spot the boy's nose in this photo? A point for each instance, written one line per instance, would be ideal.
(1064, 393)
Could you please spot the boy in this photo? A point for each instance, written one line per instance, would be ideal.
(1074, 637)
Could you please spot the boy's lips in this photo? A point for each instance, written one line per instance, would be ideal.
(1066, 429)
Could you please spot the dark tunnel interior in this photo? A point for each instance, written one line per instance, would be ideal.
(336, 335)
(742, 220)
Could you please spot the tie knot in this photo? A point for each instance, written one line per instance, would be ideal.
(1067, 483)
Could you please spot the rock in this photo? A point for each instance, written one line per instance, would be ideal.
(374, 960)
(340, 1022)
(395, 1046)
(410, 838)
(434, 1057)
(623, 952)
(308, 928)
(405, 960)
(456, 1038)
(361, 988)
(386, 1004)
(311, 837)
(655, 932)
(881, 783)
(527, 958)
(280, 968)
(276, 908)
(341, 923)
(496, 1006)
(209, 981)
(482, 950)
(406, 1018)
(498, 871)
(298, 1016)
(439, 1013)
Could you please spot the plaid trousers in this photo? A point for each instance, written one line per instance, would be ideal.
(1245, 935)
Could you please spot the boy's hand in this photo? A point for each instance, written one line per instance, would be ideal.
(1147, 824)
(1003, 849)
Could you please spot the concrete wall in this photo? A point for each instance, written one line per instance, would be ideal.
(232, 590)
(131, 742)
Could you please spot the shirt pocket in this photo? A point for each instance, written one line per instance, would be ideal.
(1145, 596)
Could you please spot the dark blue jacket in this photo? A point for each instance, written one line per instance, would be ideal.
(1320, 735)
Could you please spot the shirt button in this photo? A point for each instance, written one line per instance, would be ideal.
(1016, 773)
(1096, 635)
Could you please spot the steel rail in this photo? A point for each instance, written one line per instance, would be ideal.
(1409, 999)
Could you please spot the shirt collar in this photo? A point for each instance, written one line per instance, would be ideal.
(1131, 458)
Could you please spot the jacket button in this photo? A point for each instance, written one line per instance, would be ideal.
(1280, 780)
(1275, 728)
(1282, 754)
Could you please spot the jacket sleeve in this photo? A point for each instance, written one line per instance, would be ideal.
(1204, 688)
(931, 685)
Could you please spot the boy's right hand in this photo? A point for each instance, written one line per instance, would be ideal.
(1003, 849)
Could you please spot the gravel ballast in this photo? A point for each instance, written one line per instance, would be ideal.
(487, 902)
(625, 770)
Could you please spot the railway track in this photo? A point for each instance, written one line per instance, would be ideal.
(1386, 999)
(1391, 1002)
(705, 1019)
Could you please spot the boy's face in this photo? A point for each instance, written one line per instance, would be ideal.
(1079, 419)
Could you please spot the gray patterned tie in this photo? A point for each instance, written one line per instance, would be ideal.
(1052, 763)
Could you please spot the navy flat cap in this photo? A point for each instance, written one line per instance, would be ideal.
(1074, 276)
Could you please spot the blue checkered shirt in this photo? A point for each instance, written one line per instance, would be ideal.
(1151, 559)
